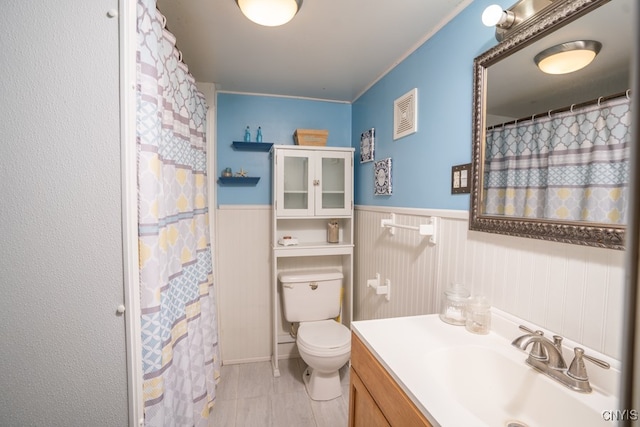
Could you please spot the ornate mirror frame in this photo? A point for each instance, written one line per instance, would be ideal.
(582, 233)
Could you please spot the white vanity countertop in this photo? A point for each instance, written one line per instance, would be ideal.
(400, 343)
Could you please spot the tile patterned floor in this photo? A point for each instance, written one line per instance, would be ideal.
(249, 396)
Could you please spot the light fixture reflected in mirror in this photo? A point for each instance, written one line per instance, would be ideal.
(567, 57)
(270, 13)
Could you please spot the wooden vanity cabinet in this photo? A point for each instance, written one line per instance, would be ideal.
(375, 399)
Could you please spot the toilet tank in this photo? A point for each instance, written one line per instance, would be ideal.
(310, 295)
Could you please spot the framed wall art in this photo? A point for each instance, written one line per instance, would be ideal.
(367, 146)
(382, 177)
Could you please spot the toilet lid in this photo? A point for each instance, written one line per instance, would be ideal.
(324, 334)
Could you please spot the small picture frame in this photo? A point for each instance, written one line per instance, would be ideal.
(367, 146)
(461, 179)
(382, 177)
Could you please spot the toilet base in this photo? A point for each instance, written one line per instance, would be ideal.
(322, 386)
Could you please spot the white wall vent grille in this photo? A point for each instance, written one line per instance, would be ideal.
(405, 114)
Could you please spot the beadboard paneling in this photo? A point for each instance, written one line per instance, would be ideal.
(243, 264)
(573, 290)
(244, 288)
(407, 259)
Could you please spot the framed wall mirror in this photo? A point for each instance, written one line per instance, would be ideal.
(551, 151)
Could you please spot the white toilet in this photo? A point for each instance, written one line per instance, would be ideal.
(313, 298)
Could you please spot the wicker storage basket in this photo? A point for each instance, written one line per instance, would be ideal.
(315, 137)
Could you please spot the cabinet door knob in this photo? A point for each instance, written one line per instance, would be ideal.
(316, 182)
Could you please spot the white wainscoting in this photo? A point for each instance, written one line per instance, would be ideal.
(243, 269)
(572, 290)
(244, 274)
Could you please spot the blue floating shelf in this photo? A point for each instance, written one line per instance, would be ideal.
(239, 180)
(252, 146)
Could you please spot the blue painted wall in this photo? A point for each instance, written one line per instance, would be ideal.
(441, 69)
(279, 117)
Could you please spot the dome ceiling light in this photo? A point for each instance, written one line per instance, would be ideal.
(270, 13)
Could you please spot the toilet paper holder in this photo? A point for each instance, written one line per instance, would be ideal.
(380, 289)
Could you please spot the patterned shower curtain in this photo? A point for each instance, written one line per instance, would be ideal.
(571, 166)
(179, 321)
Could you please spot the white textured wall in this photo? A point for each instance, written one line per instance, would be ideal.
(63, 347)
(573, 290)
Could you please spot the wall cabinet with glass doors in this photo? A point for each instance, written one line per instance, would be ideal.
(313, 182)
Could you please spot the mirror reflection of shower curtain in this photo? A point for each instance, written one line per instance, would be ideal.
(568, 166)
(180, 354)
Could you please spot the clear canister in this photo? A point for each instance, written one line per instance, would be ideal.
(453, 304)
(478, 316)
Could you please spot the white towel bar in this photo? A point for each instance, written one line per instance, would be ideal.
(428, 229)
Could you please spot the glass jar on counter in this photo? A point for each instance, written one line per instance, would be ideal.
(478, 315)
(454, 304)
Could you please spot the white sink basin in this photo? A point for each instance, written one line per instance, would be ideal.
(502, 391)
(457, 378)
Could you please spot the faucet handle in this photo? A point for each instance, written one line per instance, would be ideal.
(524, 328)
(557, 341)
(596, 361)
(578, 370)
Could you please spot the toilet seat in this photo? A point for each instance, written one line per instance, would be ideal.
(324, 338)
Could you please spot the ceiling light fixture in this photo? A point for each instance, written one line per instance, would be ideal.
(567, 57)
(270, 13)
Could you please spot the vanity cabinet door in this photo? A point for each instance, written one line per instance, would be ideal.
(386, 395)
(363, 410)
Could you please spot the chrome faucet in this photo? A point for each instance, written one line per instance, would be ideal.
(546, 357)
(543, 350)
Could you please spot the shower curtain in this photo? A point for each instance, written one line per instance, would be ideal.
(571, 165)
(178, 308)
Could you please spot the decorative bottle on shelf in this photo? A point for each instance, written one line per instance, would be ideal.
(259, 134)
(333, 231)
(247, 135)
